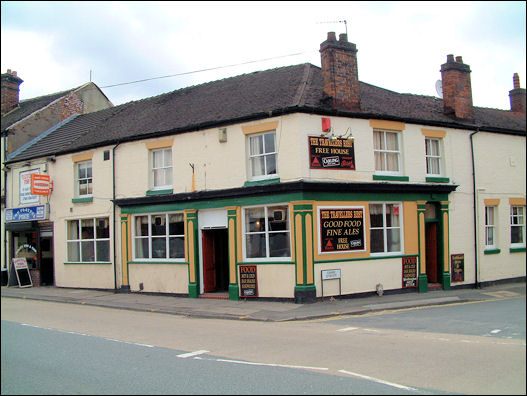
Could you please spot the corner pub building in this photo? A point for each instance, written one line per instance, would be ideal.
(293, 183)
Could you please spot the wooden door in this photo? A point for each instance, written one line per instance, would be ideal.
(209, 262)
(431, 252)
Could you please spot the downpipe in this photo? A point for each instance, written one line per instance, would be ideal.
(476, 284)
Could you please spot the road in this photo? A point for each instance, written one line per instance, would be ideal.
(476, 348)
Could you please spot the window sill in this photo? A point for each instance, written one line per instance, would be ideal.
(517, 249)
(492, 251)
(181, 261)
(87, 262)
(391, 178)
(78, 200)
(160, 192)
(262, 182)
(435, 179)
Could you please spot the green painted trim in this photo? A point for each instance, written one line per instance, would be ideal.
(305, 287)
(302, 207)
(434, 179)
(87, 262)
(391, 178)
(234, 293)
(422, 283)
(79, 200)
(517, 250)
(492, 251)
(261, 182)
(365, 258)
(193, 290)
(158, 262)
(446, 280)
(265, 263)
(159, 192)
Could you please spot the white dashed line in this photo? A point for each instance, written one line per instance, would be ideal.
(348, 329)
(191, 354)
(378, 380)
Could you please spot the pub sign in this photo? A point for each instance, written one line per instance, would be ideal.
(326, 153)
(341, 229)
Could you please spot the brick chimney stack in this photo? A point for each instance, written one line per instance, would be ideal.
(10, 91)
(457, 90)
(340, 72)
(517, 95)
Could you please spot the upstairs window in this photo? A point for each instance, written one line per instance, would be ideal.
(517, 226)
(161, 165)
(387, 152)
(262, 155)
(433, 157)
(84, 179)
(490, 227)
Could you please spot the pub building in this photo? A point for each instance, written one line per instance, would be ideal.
(287, 184)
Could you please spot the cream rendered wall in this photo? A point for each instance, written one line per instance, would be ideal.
(500, 174)
(159, 278)
(276, 280)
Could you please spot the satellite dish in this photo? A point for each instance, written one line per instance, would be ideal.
(439, 88)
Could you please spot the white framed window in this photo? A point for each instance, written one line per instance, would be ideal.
(88, 240)
(158, 236)
(387, 152)
(161, 168)
(84, 179)
(262, 155)
(490, 227)
(517, 226)
(266, 232)
(433, 157)
(386, 228)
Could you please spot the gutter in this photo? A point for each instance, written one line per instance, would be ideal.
(476, 281)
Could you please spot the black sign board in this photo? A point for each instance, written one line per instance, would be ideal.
(22, 272)
(409, 272)
(326, 153)
(457, 273)
(248, 281)
(341, 229)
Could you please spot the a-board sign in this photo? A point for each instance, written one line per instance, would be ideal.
(22, 272)
(341, 229)
(409, 271)
(457, 273)
(248, 281)
(326, 153)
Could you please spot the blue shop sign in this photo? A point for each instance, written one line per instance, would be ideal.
(27, 213)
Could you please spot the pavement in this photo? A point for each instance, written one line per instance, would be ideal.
(263, 310)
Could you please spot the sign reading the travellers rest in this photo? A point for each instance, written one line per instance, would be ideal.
(342, 229)
(326, 153)
(27, 213)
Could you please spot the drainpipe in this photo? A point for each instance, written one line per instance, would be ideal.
(475, 210)
(113, 207)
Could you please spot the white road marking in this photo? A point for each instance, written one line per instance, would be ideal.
(270, 364)
(378, 380)
(495, 331)
(348, 329)
(191, 354)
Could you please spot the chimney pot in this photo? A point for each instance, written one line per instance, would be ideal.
(331, 36)
(450, 58)
(14, 73)
(459, 59)
(343, 37)
(516, 80)
(9, 71)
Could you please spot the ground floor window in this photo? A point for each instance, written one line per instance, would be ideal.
(518, 226)
(88, 240)
(385, 228)
(267, 232)
(159, 236)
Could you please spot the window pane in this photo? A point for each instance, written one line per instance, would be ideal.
(176, 225)
(376, 215)
(103, 228)
(103, 250)
(394, 240)
(141, 248)
(378, 140)
(159, 225)
(88, 171)
(270, 162)
(73, 229)
(391, 141)
(377, 241)
(81, 171)
(255, 245)
(392, 162)
(73, 252)
(168, 177)
(279, 245)
(277, 218)
(159, 248)
(489, 236)
(177, 247)
(258, 166)
(269, 142)
(380, 162)
(516, 234)
(392, 215)
(87, 229)
(255, 220)
(255, 145)
(167, 158)
(159, 177)
(87, 251)
(141, 226)
(157, 159)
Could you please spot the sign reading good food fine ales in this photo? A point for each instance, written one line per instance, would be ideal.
(341, 229)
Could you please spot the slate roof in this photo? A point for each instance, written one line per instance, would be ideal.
(29, 106)
(247, 97)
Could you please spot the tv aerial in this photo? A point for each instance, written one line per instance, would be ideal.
(342, 21)
(439, 88)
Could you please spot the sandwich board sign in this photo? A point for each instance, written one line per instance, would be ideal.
(22, 272)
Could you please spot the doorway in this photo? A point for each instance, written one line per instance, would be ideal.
(215, 244)
(433, 243)
(46, 260)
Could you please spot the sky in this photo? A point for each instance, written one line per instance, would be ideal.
(56, 46)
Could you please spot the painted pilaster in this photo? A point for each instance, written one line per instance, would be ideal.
(191, 252)
(305, 290)
(446, 252)
(422, 281)
(126, 250)
(233, 219)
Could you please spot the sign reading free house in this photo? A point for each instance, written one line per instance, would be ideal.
(27, 213)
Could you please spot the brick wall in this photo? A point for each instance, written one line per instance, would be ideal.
(457, 90)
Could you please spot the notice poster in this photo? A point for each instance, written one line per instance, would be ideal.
(25, 187)
(409, 272)
(326, 153)
(458, 267)
(248, 281)
(342, 230)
